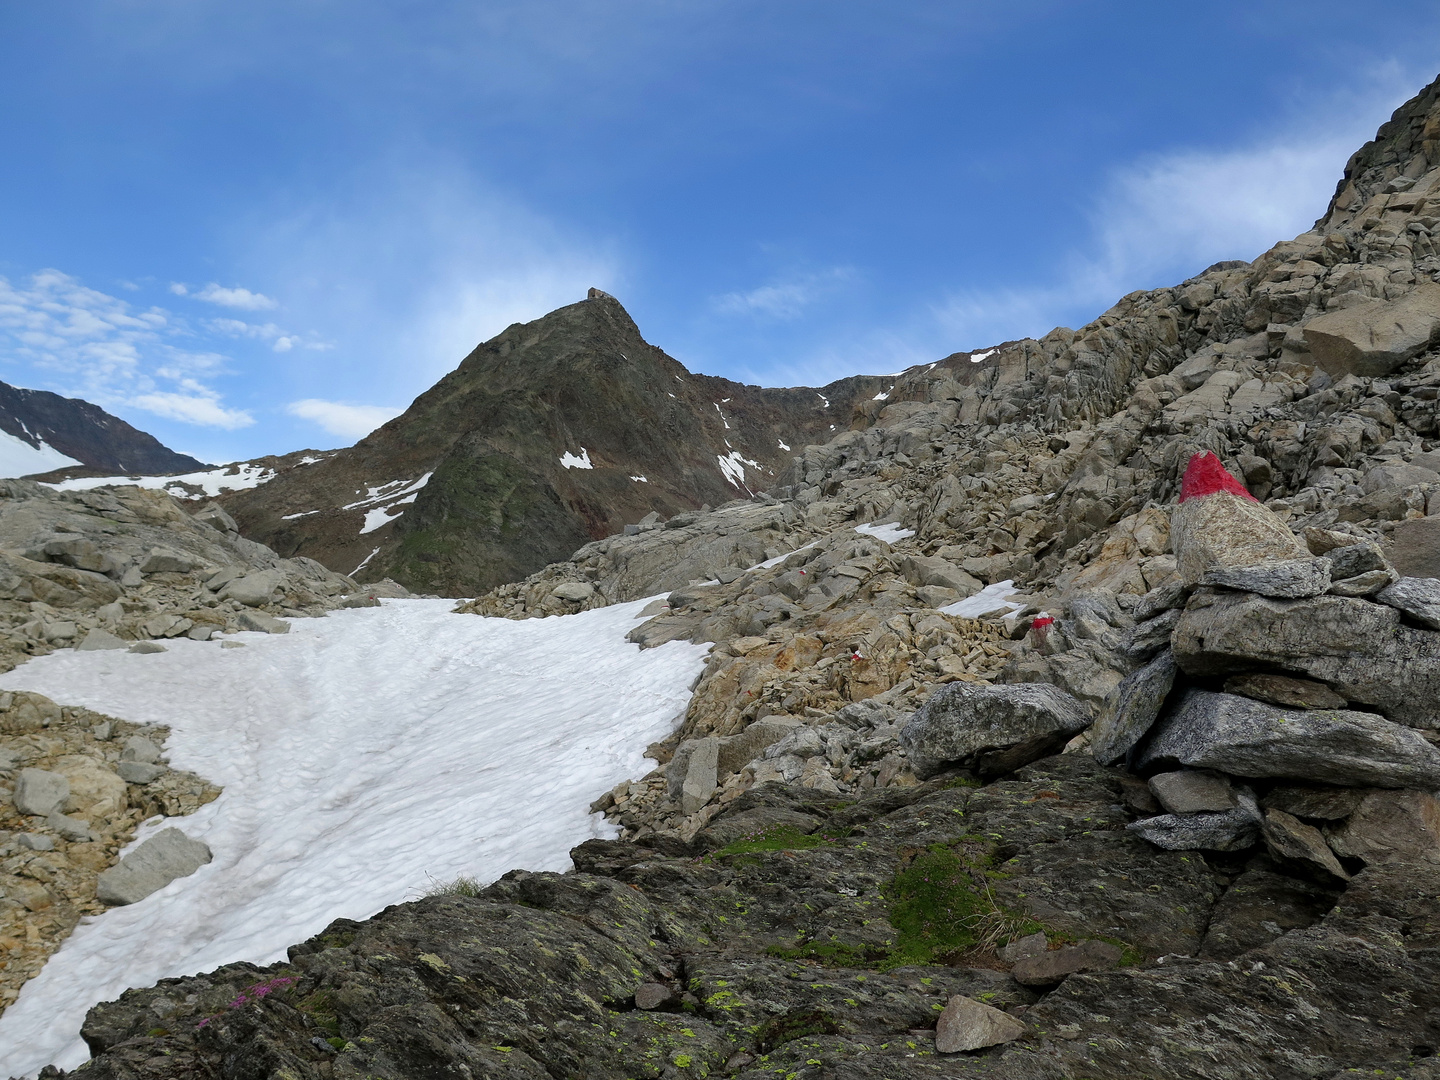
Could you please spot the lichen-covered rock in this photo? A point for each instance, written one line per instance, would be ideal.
(994, 729)
(1131, 709)
(1244, 737)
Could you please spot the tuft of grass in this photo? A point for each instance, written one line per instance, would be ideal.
(775, 838)
(461, 886)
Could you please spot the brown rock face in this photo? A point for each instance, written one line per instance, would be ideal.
(1373, 339)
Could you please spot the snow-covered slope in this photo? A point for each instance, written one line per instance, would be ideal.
(19, 458)
(364, 757)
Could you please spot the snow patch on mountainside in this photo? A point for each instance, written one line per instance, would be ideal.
(211, 482)
(364, 756)
(19, 458)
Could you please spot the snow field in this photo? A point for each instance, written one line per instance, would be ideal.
(364, 757)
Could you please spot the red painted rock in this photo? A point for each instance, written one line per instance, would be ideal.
(1219, 524)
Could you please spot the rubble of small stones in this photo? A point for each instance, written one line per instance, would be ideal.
(74, 785)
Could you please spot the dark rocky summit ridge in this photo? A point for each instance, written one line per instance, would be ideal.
(551, 434)
(104, 444)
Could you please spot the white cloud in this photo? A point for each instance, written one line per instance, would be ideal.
(85, 343)
(278, 339)
(202, 409)
(239, 299)
(784, 299)
(447, 264)
(347, 421)
(1162, 219)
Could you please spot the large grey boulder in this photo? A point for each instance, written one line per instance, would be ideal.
(1354, 559)
(1415, 547)
(1417, 597)
(1397, 476)
(1374, 338)
(1360, 649)
(101, 639)
(1244, 737)
(253, 590)
(1218, 524)
(262, 623)
(923, 570)
(700, 775)
(993, 729)
(40, 792)
(167, 855)
(737, 751)
(1131, 708)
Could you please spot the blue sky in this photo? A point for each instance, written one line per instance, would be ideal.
(254, 228)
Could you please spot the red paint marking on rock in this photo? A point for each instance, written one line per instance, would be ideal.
(1205, 475)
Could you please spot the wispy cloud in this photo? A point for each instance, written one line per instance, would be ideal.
(1167, 217)
(89, 344)
(449, 262)
(239, 299)
(347, 421)
(785, 299)
(278, 339)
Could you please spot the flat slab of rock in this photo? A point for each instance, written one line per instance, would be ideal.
(1192, 791)
(1286, 578)
(167, 855)
(1230, 830)
(993, 729)
(967, 1024)
(1360, 649)
(1284, 691)
(1354, 559)
(1050, 967)
(252, 590)
(1418, 598)
(1373, 339)
(1131, 709)
(1243, 737)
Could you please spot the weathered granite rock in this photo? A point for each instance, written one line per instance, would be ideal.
(1324, 803)
(1131, 709)
(1284, 691)
(100, 638)
(1293, 843)
(1263, 903)
(576, 591)
(1366, 584)
(700, 775)
(252, 590)
(1354, 559)
(1374, 338)
(39, 792)
(167, 855)
(1191, 791)
(994, 729)
(967, 1024)
(1415, 547)
(261, 622)
(1243, 737)
(1418, 598)
(1287, 578)
(1390, 825)
(653, 995)
(1230, 830)
(1052, 966)
(1219, 524)
(1360, 649)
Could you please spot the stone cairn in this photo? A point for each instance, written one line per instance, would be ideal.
(1294, 704)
